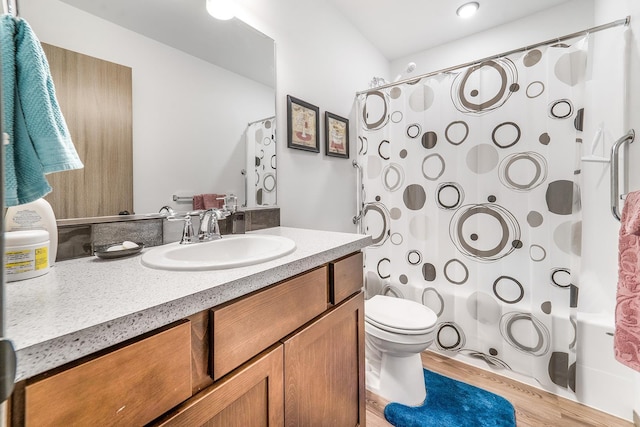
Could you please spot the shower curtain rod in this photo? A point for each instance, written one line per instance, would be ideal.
(612, 24)
(261, 120)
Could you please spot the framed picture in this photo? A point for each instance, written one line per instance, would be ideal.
(336, 135)
(303, 125)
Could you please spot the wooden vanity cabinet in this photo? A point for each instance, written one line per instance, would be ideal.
(318, 345)
(290, 354)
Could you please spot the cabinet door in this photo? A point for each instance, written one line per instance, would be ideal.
(128, 386)
(324, 369)
(251, 396)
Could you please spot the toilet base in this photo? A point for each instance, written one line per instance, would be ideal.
(400, 379)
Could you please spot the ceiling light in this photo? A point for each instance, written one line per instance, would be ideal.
(467, 10)
(221, 9)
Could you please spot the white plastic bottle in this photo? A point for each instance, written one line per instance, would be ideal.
(26, 254)
(37, 215)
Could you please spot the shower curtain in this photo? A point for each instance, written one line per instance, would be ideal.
(261, 153)
(471, 192)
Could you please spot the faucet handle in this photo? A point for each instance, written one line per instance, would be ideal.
(224, 202)
(187, 231)
(230, 203)
(233, 200)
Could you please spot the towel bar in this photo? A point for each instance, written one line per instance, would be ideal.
(182, 199)
(615, 160)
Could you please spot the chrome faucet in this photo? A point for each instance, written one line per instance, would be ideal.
(230, 209)
(167, 211)
(208, 230)
(230, 204)
(209, 227)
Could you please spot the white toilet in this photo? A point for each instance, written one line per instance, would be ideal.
(396, 331)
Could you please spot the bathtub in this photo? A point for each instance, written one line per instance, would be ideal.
(602, 382)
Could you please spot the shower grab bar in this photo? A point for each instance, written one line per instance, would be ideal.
(615, 166)
(243, 172)
(356, 219)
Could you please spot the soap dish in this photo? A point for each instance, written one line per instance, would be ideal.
(103, 253)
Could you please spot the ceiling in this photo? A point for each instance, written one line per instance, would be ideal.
(189, 28)
(402, 27)
(396, 27)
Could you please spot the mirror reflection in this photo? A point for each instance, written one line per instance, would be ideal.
(203, 93)
(261, 162)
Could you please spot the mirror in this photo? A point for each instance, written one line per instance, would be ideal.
(198, 85)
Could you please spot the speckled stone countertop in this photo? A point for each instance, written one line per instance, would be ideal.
(85, 305)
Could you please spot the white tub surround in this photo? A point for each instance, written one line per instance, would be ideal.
(85, 305)
(603, 383)
(636, 409)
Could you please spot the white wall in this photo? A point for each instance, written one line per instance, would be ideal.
(188, 115)
(564, 19)
(605, 11)
(322, 60)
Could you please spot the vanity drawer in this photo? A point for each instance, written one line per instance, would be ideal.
(345, 277)
(244, 328)
(128, 386)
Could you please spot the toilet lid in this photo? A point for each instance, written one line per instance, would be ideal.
(399, 315)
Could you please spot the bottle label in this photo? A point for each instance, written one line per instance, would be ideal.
(26, 260)
(20, 261)
(42, 258)
(27, 219)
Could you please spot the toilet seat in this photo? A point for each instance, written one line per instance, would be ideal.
(399, 315)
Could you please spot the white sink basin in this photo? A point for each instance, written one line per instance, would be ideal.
(228, 252)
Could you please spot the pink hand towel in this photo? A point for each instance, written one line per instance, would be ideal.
(626, 340)
(211, 201)
(198, 202)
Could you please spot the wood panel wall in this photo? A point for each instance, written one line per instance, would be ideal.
(95, 97)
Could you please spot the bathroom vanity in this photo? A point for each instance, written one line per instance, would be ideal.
(277, 343)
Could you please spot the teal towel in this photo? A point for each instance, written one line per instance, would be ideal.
(8, 52)
(40, 142)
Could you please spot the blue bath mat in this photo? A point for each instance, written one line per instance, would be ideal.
(452, 403)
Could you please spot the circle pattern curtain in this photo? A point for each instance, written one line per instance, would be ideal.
(471, 194)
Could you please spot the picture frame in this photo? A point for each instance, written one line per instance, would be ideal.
(336, 135)
(303, 125)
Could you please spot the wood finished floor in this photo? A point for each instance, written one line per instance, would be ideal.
(534, 407)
